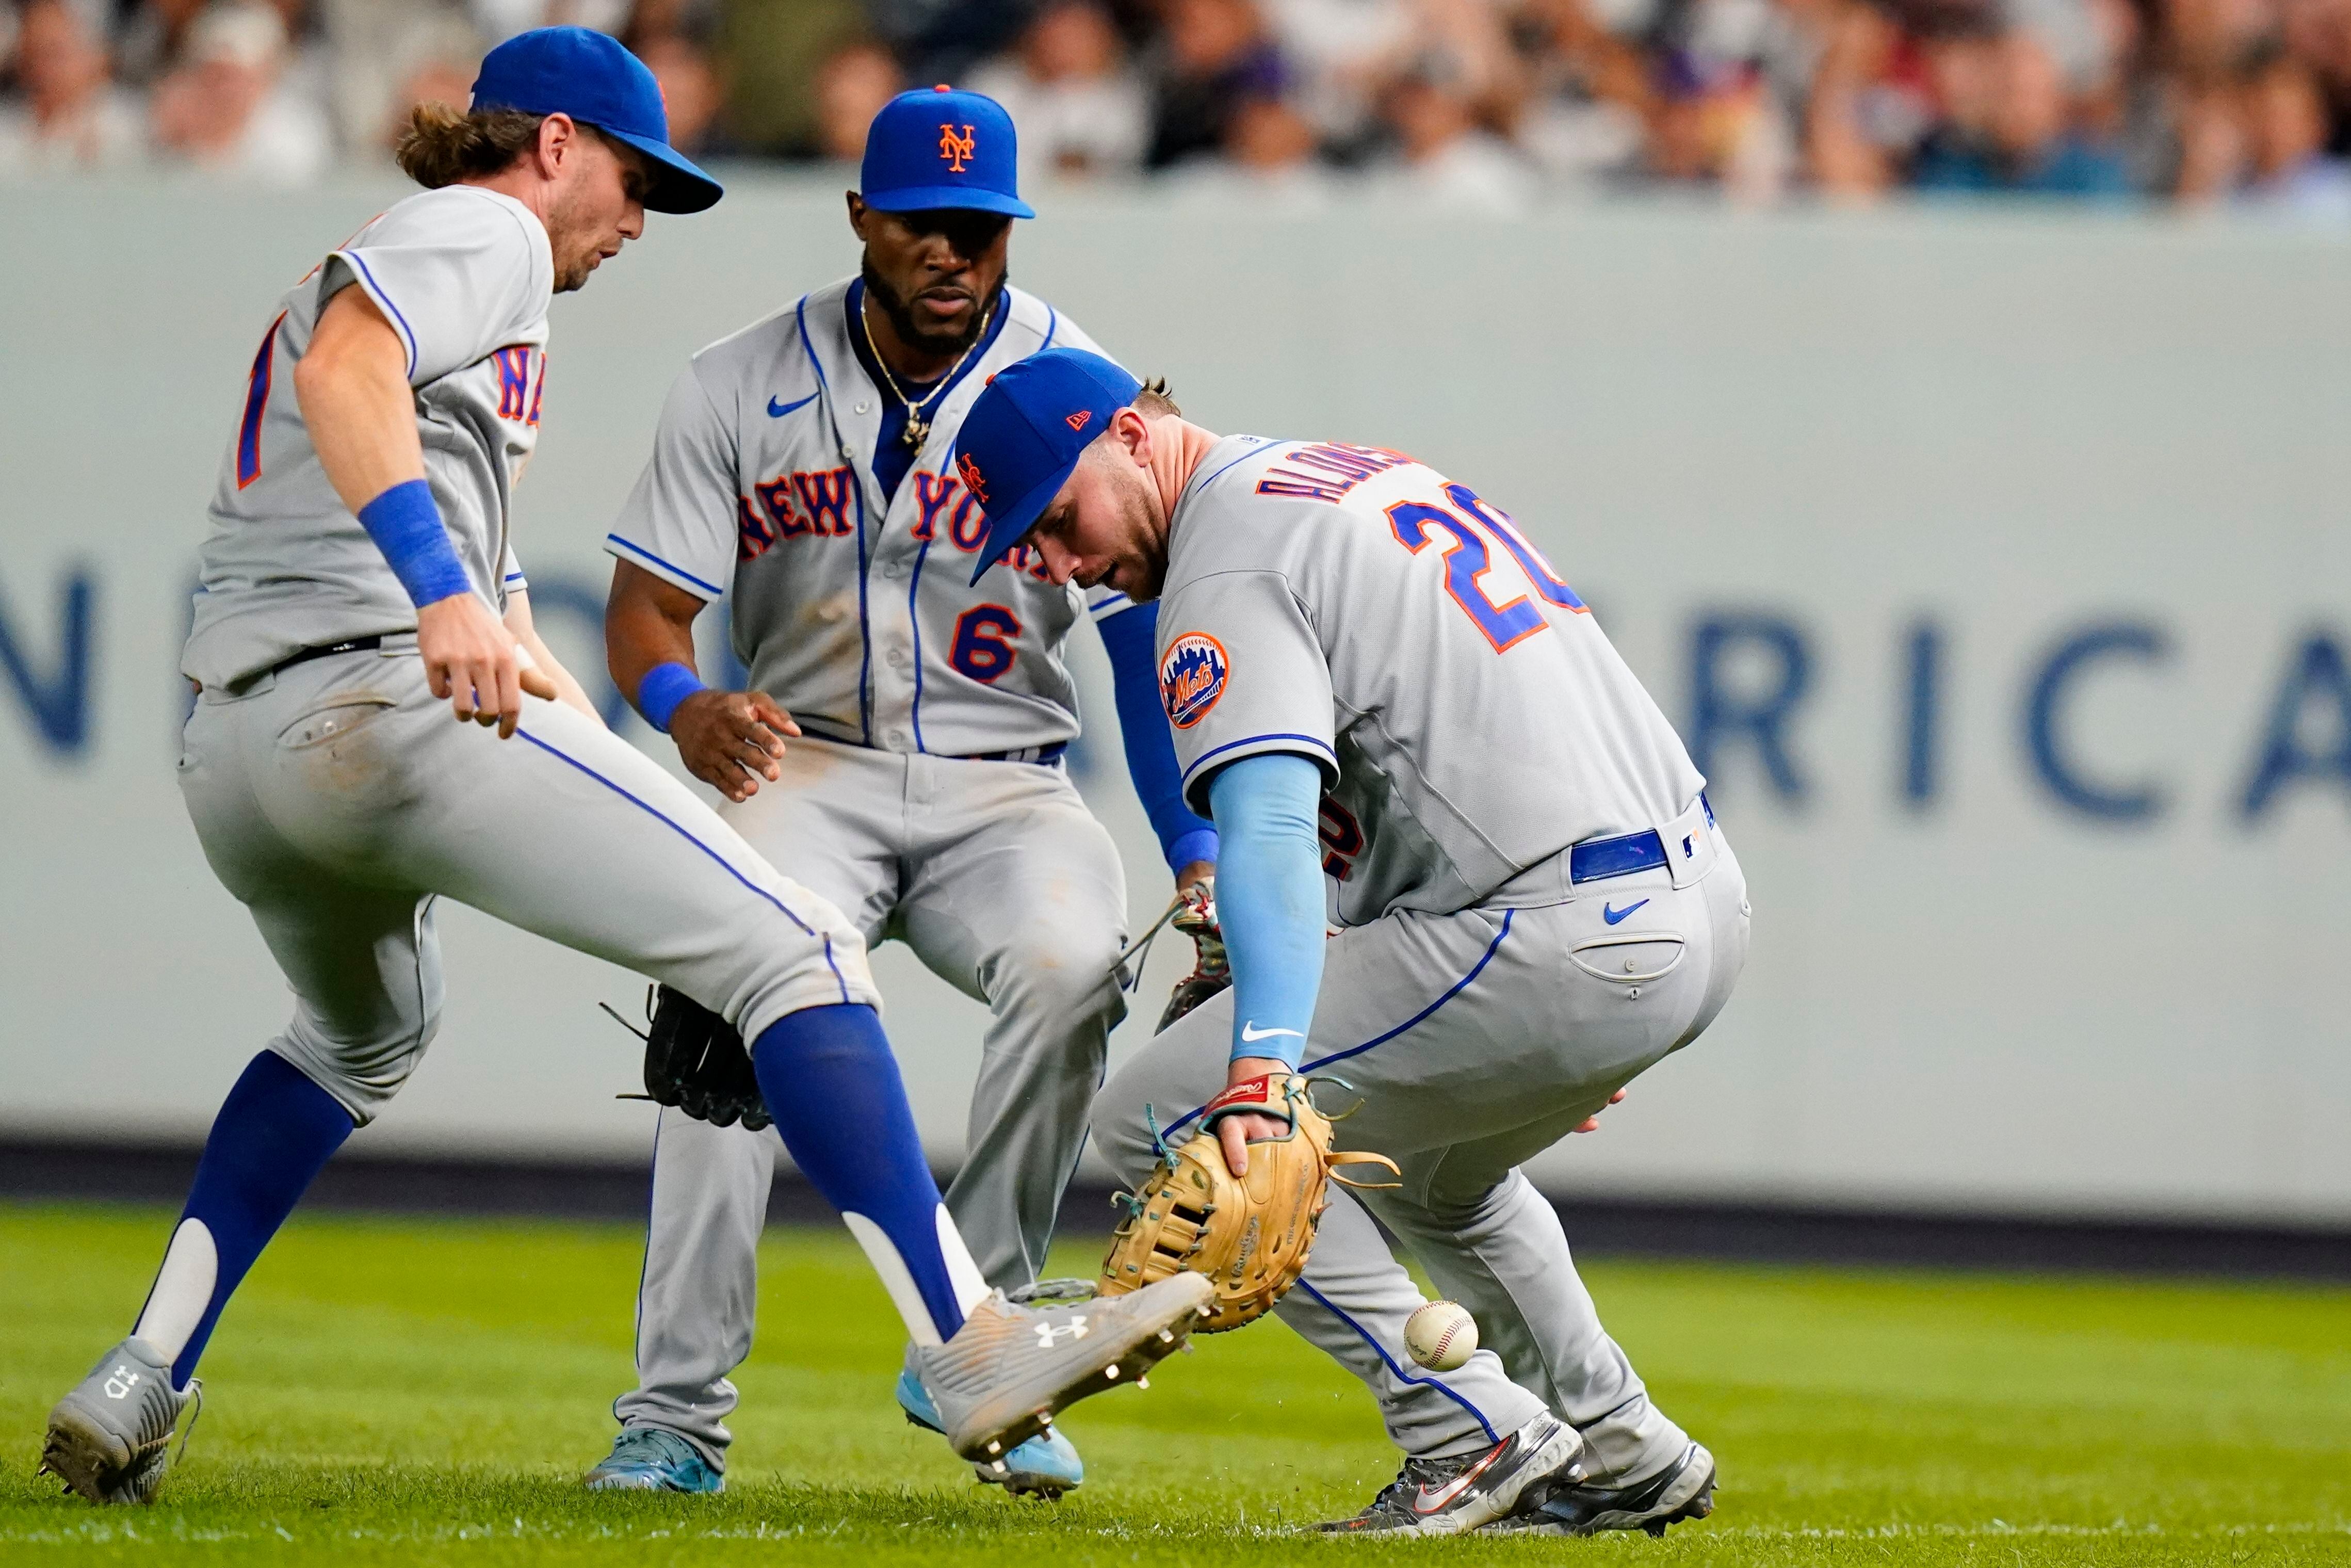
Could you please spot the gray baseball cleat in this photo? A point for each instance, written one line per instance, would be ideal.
(1011, 1368)
(110, 1438)
(1455, 1495)
(1683, 1489)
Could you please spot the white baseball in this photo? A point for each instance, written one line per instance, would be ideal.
(1441, 1335)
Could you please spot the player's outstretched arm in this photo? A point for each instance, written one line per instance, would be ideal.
(352, 385)
(1269, 898)
(729, 740)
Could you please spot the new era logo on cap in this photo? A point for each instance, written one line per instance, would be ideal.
(1078, 421)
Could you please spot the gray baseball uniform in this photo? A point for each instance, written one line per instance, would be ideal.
(928, 802)
(1535, 906)
(337, 798)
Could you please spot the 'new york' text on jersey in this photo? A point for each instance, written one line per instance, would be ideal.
(852, 611)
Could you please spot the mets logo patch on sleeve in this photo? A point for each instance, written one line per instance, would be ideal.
(1192, 677)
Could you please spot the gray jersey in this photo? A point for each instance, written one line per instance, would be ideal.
(463, 276)
(1355, 606)
(854, 614)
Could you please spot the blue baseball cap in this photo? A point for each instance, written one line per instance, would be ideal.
(1024, 435)
(942, 149)
(589, 76)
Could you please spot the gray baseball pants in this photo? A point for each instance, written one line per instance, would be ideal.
(1475, 1041)
(339, 798)
(1003, 884)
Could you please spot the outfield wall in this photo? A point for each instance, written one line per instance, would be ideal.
(1995, 565)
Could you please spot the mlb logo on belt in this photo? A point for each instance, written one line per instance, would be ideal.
(1192, 677)
(956, 149)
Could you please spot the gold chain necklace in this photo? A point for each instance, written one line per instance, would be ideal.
(918, 429)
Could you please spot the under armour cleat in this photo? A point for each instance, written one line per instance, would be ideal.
(109, 1440)
(1683, 1489)
(1011, 1369)
(1045, 1466)
(647, 1458)
(1453, 1496)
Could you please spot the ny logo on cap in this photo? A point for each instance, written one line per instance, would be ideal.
(955, 149)
(1078, 421)
(972, 480)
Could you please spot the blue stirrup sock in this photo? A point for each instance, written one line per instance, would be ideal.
(275, 1133)
(833, 1089)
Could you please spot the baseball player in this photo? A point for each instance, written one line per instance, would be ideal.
(1399, 717)
(802, 465)
(357, 576)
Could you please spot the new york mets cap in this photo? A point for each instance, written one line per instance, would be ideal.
(589, 76)
(1024, 435)
(942, 149)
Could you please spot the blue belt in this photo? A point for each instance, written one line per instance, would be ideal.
(1595, 860)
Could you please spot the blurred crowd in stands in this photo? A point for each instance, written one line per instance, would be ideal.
(1490, 105)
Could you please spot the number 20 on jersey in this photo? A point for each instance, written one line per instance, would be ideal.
(1468, 523)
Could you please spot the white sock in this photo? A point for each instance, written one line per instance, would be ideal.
(184, 1290)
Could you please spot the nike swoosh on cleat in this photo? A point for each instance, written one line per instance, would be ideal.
(1613, 916)
(1427, 1502)
(1252, 1034)
(778, 409)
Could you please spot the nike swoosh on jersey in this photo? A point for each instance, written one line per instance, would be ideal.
(777, 411)
(1252, 1034)
(1613, 916)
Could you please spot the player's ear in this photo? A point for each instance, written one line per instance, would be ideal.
(1131, 431)
(559, 140)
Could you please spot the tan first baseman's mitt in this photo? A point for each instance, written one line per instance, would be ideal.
(1250, 1235)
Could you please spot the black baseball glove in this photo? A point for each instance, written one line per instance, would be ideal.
(695, 1061)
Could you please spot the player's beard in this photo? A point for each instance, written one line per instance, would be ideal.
(899, 314)
(1140, 568)
(571, 240)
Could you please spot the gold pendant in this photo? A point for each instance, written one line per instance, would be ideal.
(917, 431)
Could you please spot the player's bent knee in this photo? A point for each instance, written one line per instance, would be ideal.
(362, 1080)
(1064, 989)
(1121, 1125)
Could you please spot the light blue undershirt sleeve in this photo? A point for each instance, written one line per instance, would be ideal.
(1130, 637)
(1269, 897)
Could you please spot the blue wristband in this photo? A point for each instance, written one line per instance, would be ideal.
(405, 525)
(663, 688)
(1199, 845)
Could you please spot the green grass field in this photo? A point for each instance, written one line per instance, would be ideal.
(416, 1391)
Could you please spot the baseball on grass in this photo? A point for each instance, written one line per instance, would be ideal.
(1441, 1335)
